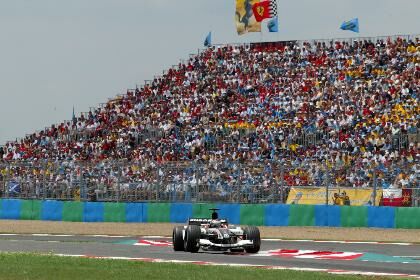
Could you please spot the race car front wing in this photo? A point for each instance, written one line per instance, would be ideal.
(240, 243)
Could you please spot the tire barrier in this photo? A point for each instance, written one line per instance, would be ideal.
(245, 214)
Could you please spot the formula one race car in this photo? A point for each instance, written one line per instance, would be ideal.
(215, 235)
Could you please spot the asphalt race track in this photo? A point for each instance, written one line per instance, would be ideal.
(381, 258)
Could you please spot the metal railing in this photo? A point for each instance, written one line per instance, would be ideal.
(221, 181)
(217, 136)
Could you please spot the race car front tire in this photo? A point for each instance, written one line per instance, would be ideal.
(192, 239)
(177, 238)
(253, 234)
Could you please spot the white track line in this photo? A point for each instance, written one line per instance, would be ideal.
(339, 241)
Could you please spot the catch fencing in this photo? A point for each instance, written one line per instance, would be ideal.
(218, 181)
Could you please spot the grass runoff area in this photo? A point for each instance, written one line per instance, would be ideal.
(32, 266)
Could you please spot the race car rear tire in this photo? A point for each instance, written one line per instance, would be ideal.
(192, 239)
(177, 238)
(253, 233)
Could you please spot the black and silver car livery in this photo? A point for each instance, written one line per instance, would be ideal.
(215, 234)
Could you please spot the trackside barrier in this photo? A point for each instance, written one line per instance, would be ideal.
(93, 212)
(52, 210)
(382, 218)
(158, 212)
(302, 215)
(115, 212)
(327, 216)
(73, 211)
(252, 214)
(180, 212)
(134, 213)
(245, 214)
(277, 215)
(10, 209)
(231, 212)
(354, 216)
(202, 209)
(407, 218)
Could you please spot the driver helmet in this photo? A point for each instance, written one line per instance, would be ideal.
(215, 224)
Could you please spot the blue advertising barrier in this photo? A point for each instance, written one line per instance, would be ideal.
(327, 215)
(10, 209)
(231, 212)
(134, 213)
(276, 215)
(383, 217)
(52, 210)
(93, 212)
(180, 212)
(247, 214)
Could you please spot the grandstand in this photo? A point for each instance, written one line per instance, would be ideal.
(239, 123)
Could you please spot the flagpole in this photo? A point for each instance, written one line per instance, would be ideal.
(278, 28)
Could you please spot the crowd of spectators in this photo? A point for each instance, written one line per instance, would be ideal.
(347, 106)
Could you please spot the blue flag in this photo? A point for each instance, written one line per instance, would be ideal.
(352, 25)
(207, 42)
(273, 24)
(14, 187)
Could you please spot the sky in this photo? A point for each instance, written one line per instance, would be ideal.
(56, 54)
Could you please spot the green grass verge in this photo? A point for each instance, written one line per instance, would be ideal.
(31, 266)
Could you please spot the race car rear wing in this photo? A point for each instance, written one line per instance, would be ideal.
(202, 221)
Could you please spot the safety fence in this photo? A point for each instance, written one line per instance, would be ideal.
(219, 134)
(221, 181)
(245, 214)
(216, 136)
